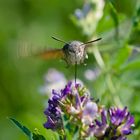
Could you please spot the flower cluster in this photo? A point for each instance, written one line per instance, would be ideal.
(74, 110)
(92, 10)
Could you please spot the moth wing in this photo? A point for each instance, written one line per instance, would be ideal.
(52, 54)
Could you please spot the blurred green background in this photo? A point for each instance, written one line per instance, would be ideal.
(114, 62)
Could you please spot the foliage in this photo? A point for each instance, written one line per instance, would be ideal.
(114, 61)
(27, 132)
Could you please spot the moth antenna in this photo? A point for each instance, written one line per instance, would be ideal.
(57, 39)
(91, 41)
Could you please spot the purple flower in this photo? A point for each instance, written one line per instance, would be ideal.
(117, 115)
(90, 111)
(119, 127)
(99, 128)
(122, 138)
(79, 14)
(54, 120)
(92, 74)
(67, 89)
(121, 121)
(72, 100)
(82, 13)
(118, 138)
(53, 79)
(75, 105)
(125, 128)
(53, 111)
(53, 124)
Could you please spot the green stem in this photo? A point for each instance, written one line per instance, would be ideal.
(109, 81)
(62, 138)
(113, 90)
(98, 57)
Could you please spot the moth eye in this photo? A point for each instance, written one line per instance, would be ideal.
(71, 50)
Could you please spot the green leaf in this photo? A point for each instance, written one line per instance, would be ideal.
(121, 56)
(114, 15)
(24, 129)
(38, 137)
(131, 66)
(27, 132)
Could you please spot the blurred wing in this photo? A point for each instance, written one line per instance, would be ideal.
(51, 54)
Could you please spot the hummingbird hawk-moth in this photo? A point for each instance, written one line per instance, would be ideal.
(73, 52)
